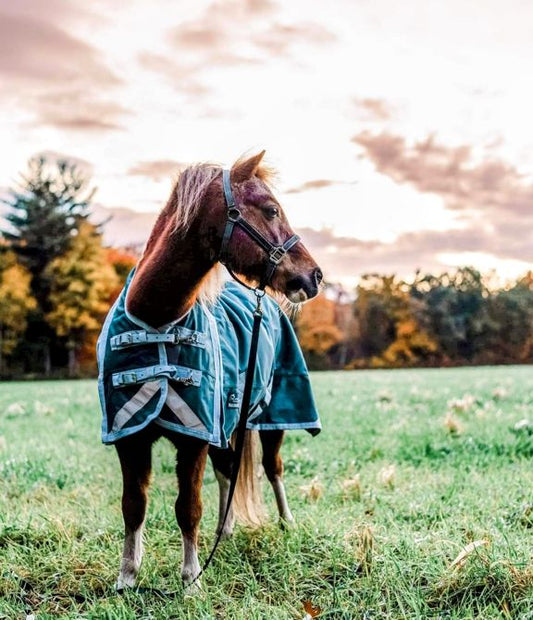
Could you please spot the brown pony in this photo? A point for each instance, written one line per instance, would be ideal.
(177, 268)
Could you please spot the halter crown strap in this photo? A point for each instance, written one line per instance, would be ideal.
(230, 221)
(230, 201)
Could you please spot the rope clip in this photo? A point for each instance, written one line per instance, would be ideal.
(259, 294)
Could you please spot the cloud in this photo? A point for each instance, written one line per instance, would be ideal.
(278, 38)
(183, 77)
(53, 73)
(227, 34)
(493, 199)
(222, 29)
(198, 35)
(259, 7)
(33, 49)
(156, 169)
(123, 227)
(78, 110)
(454, 173)
(341, 257)
(374, 109)
(313, 185)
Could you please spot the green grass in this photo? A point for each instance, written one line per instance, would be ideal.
(370, 542)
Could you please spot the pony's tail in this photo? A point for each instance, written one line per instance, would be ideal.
(248, 499)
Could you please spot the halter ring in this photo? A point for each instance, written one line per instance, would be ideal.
(233, 214)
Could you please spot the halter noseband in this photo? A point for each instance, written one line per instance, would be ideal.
(276, 253)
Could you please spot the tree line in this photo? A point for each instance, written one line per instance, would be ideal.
(454, 318)
(58, 280)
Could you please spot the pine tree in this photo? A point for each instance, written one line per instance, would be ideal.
(52, 201)
(46, 210)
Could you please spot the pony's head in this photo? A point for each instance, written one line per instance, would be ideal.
(297, 276)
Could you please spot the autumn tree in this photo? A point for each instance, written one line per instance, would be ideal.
(390, 325)
(81, 280)
(317, 329)
(122, 261)
(47, 208)
(16, 302)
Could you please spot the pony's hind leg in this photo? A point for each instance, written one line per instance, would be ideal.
(135, 454)
(192, 456)
(222, 460)
(273, 465)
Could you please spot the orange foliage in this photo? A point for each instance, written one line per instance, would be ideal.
(317, 329)
(122, 261)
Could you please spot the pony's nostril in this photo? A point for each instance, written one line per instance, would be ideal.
(318, 275)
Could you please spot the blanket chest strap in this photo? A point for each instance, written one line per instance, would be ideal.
(183, 375)
(180, 335)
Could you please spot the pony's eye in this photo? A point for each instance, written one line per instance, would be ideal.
(271, 212)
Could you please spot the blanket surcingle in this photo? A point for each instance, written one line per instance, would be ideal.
(189, 376)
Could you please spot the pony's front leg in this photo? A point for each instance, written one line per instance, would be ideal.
(192, 456)
(273, 465)
(222, 460)
(135, 454)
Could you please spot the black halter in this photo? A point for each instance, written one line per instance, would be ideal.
(275, 253)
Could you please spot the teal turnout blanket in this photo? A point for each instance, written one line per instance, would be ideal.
(189, 376)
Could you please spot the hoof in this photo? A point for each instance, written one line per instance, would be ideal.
(287, 522)
(124, 582)
(225, 534)
(191, 587)
(121, 587)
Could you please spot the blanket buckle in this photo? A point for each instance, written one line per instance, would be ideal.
(192, 339)
(128, 377)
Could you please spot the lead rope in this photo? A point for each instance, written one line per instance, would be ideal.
(275, 256)
(241, 427)
(239, 445)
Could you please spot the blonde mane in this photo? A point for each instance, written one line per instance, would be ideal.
(192, 185)
(190, 190)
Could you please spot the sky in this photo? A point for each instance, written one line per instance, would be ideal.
(401, 131)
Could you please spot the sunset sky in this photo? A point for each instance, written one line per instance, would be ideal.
(402, 132)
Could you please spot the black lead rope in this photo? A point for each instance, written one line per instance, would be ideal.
(239, 445)
(276, 254)
(241, 427)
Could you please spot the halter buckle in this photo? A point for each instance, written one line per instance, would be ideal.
(276, 255)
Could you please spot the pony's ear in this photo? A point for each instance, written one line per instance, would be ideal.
(244, 169)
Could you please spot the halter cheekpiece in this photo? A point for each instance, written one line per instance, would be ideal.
(276, 253)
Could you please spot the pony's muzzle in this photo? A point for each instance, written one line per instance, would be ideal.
(301, 288)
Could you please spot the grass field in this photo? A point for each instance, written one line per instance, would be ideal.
(412, 467)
